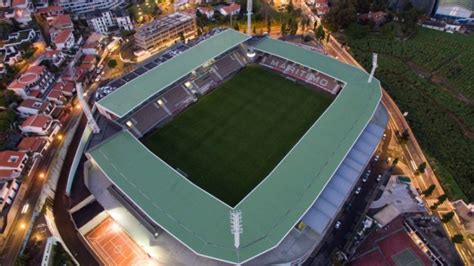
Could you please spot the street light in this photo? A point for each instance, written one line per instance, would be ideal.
(41, 175)
(22, 226)
(60, 137)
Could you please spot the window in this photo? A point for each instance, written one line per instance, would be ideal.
(13, 159)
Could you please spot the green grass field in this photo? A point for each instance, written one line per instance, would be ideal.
(430, 77)
(233, 137)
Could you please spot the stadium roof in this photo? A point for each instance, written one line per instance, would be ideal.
(201, 221)
(135, 92)
(468, 4)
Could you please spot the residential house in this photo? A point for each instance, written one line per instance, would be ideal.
(50, 11)
(206, 11)
(34, 81)
(60, 22)
(63, 39)
(8, 191)
(231, 9)
(33, 145)
(66, 87)
(91, 48)
(56, 97)
(21, 11)
(55, 57)
(12, 164)
(378, 17)
(11, 48)
(41, 125)
(34, 107)
(322, 7)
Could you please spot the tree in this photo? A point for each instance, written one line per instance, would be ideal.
(181, 37)
(395, 162)
(421, 167)
(319, 33)
(388, 30)
(112, 63)
(357, 31)
(427, 192)
(457, 239)
(442, 199)
(290, 8)
(237, 27)
(269, 25)
(447, 217)
(341, 15)
(293, 26)
(284, 30)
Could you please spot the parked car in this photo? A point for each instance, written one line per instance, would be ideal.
(379, 177)
(358, 189)
(365, 178)
(338, 225)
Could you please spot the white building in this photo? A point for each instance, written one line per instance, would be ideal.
(11, 46)
(105, 21)
(12, 164)
(34, 81)
(63, 39)
(206, 11)
(84, 6)
(21, 11)
(41, 125)
(231, 9)
(34, 107)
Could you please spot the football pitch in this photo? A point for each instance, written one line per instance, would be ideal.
(233, 137)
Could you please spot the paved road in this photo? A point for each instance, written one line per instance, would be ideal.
(34, 184)
(414, 156)
(353, 211)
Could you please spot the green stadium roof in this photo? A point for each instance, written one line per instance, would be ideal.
(468, 4)
(135, 92)
(269, 212)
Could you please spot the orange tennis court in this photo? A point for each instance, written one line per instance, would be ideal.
(114, 247)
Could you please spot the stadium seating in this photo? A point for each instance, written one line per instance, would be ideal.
(177, 98)
(147, 117)
(228, 64)
(309, 76)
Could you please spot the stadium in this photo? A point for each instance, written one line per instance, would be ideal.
(238, 150)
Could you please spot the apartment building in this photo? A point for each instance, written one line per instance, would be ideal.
(106, 21)
(83, 6)
(165, 31)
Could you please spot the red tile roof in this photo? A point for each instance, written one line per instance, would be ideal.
(61, 20)
(50, 9)
(11, 159)
(55, 94)
(16, 3)
(62, 36)
(92, 45)
(8, 174)
(68, 87)
(89, 59)
(31, 144)
(36, 121)
(231, 8)
(34, 104)
(34, 93)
